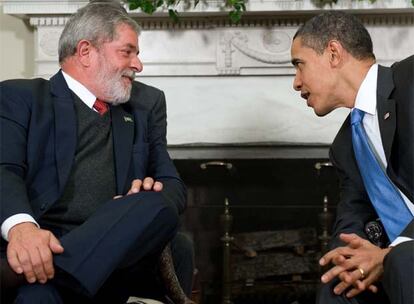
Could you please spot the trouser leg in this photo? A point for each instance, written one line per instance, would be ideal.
(120, 233)
(38, 293)
(326, 295)
(182, 250)
(398, 277)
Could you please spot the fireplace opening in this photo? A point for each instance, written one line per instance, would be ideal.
(281, 212)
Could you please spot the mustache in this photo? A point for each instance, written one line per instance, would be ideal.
(130, 74)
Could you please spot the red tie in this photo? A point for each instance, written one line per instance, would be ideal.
(100, 106)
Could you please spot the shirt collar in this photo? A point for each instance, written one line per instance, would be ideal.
(80, 90)
(366, 99)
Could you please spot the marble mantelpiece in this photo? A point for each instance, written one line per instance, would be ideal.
(227, 83)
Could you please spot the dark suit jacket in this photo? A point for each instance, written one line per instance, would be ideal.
(38, 142)
(395, 95)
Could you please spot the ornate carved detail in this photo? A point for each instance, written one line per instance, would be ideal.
(262, 49)
(28, 8)
(48, 21)
(48, 42)
(162, 23)
(273, 52)
(228, 71)
(390, 19)
(270, 40)
(202, 22)
(191, 23)
(276, 41)
(226, 41)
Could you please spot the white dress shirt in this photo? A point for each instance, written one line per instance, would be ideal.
(366, 101)
(89, 99)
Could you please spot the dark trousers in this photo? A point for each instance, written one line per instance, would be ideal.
(182, 249)
(397, 283)
(119, 242)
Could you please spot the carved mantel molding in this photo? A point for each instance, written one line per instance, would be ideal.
(213, 71)
(259, 44)
(214, 7)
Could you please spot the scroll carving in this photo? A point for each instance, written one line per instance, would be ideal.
(243, 50)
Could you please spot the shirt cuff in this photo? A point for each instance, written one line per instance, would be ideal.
(13, 221)
(399, 240)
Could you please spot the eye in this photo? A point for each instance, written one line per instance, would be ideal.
(296, 63)
(126, 53)
(299, 65)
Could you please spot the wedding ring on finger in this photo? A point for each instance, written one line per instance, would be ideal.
(362, 272)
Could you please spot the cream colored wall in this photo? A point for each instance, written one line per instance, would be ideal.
(16, 48)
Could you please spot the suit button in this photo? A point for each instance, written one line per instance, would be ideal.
(43, 207)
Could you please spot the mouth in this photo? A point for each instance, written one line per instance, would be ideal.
(305, 95)
(127, 79)
(129, 75)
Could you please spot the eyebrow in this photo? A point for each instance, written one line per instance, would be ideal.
(132, 47)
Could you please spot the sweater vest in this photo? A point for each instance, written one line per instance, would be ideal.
(92, 179)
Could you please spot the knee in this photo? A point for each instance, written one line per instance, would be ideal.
(326, 295)
(398, 275)
(38, 293)
(165, 211)
(169, 217)
(399, 260)
(155, 206)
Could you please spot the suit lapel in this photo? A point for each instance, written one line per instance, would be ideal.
(387, 116)
(123, 136)
(65, 127)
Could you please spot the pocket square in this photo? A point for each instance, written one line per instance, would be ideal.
(128, 119)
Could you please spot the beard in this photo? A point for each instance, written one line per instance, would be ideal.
(114, 88)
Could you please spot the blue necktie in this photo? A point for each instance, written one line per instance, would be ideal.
(384, 196)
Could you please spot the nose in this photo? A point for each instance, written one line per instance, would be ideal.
(297, 83)
(136, 64)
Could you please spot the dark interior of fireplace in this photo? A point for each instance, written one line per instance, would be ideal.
(276, 225)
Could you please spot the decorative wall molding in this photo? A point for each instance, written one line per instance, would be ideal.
(27, 8)
(48, 21)
(213, 7)
(229, 83)
(265, 20)
(48, 42)
(276, 42)
(259, 49)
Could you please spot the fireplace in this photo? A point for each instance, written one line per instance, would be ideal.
(276, 201)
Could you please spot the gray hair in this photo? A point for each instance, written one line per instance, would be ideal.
(95, 22)
(345, 28)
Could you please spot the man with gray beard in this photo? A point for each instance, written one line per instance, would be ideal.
(89, 194)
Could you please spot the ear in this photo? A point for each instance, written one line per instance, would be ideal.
(335, 52)
(84, 51)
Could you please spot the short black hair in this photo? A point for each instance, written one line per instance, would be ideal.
(346, 28)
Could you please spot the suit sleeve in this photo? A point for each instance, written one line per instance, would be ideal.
(160, 165)
(409, 230)
(14, 121)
